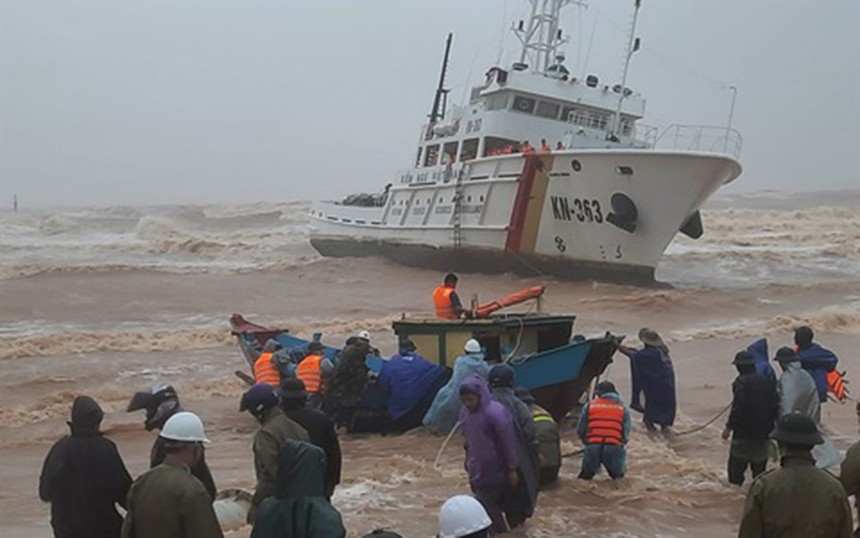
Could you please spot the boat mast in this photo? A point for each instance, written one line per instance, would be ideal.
(632, 46)
(542, 36)
(441, 99)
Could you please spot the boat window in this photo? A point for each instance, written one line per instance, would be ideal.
(431, 156)
(449, 153)
(547, 110)
(418, 157)
(524, 104)
(498, 101)
(469, 149)
(497, 146)
(567, 113)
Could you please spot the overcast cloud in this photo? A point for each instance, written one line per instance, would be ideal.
(200, 101)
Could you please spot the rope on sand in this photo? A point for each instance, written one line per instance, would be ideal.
(444, 444)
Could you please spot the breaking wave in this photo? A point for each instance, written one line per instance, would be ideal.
(832, 319)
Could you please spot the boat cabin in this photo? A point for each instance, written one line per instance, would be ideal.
(442, 340)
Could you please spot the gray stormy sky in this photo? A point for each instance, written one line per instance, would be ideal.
(201, 101)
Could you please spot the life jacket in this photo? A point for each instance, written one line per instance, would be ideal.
(265, 370)
(605, 422)
(310, 372)
(544, 148)
(836, 385)
(528, 149)
(442, 302)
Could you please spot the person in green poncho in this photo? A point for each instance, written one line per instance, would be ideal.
(299, 508)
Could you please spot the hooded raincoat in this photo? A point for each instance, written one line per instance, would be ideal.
(443, 412)
(652, 374)
(492, 451)
(83, 477)
(299, 508)
(758, 350)
(524, 497)
(797, 392)
(818, 361)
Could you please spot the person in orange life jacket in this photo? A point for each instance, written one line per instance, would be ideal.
(265, 370)
(755, 408)
(507, 150)
(604, 427)
(311, 370)
(559, 146)
(527, 148)
(445, 299)
(544, 147)
(816, 360)
(162, 402)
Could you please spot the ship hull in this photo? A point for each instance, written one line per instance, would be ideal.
(566, 214)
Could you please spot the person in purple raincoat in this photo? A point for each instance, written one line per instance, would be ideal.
(492, 457)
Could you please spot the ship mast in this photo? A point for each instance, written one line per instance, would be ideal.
(542, 36)
(440, 101)
(632, 46)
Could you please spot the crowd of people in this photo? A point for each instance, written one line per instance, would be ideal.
(512, 444)
(526, 148)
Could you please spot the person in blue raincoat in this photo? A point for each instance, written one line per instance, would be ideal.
(653, 376)
(816, 360)
(445, 409)
(758, 350)
(411, 382)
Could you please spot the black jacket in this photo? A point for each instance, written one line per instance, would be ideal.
(82, 477)
(322, 432)
(754, 407)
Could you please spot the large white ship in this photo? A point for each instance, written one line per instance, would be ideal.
(601, 196)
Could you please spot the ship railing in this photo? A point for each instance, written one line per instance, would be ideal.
(710, 138)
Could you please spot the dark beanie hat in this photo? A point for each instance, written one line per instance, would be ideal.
(605, 387)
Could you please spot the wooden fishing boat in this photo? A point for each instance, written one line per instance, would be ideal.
(554, 365)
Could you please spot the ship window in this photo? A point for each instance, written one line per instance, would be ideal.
(440, 200)
(469, 198)
(496, 146)
(469, 149)
(567, 114)
(482, 198)
(524, 104)
(418, 157)
(449, 153)
(431, 156)
(576, 165)
(624, 170)
(547, 110)
(498, 101)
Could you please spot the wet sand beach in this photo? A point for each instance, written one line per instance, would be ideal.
(109, 301)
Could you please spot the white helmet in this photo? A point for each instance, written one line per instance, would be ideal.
(184, 427)
(462, 515)
(364, 335)
(472, 346)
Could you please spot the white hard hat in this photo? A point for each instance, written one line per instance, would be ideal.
(462, 515)
(472, 346)
(184, 427)
(364, 335)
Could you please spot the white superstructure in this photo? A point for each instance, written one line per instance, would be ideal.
(601, 196)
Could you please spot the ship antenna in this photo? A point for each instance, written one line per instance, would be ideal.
(632, 46)
(441, 98)
(542, 36)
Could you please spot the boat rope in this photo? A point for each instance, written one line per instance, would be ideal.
(706, 424)
(444, 444)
